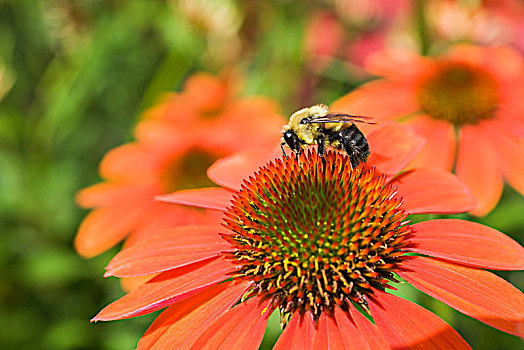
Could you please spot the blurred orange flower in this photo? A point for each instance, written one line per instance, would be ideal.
(486, 22)
(468, 105)
(176, 142)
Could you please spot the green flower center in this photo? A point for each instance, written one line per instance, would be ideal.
(310, 240)
(459, 93)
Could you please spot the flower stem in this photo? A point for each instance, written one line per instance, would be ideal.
(420, 22)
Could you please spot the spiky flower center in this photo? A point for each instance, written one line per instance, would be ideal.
(459, 93)
(310, 239)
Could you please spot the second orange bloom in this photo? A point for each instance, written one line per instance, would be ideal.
(466, 103)
(176, 141)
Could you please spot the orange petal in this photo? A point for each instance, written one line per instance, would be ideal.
(112, 193)
(400, 65)
(167, 288)
(299, 333)
(512, 117)
(407, 325)
(180, 325)
(129, 283)
(478, 167)
(468, 243)
(474, 292)
(162, 216)
(130, 161)
(206, 91)
(439, 150)
(167, 250)
(358, 332)
(504, 62)
(433, 191)
(160, 135)
(393, 146)
(241, 327)
(379, 99)
(328, 334)
(231, 171)
(174, 108)
(100, 231)
(510, 151)
(473, 54)
(228, 133)
(215, 198)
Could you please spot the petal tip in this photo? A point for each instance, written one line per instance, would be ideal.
(163, 198)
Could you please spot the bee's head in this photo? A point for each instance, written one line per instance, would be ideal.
(292, 140)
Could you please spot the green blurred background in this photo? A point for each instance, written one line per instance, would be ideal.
(75, 76)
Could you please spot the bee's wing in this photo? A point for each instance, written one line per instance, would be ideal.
(338, 118)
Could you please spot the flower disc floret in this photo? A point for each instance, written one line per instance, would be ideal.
(310, 239)
(172, 177)
(458, 92)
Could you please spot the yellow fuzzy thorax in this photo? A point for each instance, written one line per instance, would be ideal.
(307, 132)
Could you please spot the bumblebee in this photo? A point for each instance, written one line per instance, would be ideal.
(315, 125)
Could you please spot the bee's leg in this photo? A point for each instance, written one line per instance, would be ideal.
(354, 161)
(322, 152)
(348, 148)
(282, 148)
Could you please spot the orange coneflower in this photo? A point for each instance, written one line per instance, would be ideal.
(177, 140)
(466, 103)
(316, 245)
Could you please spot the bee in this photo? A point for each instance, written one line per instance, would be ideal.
(315, 125)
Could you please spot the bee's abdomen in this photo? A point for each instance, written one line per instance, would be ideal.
(355, 144)
(350, 136)
(357, 138)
